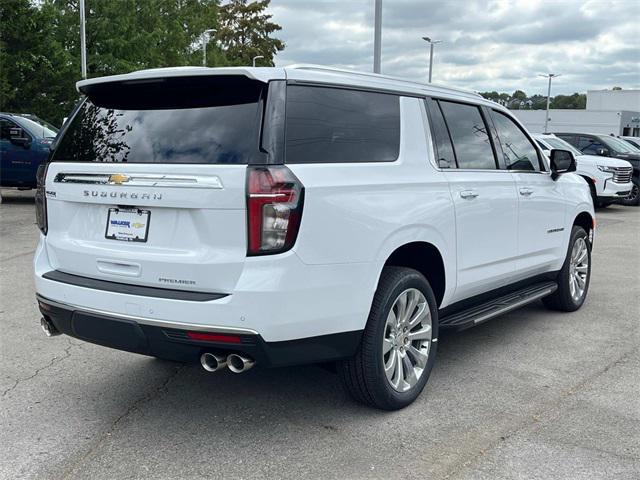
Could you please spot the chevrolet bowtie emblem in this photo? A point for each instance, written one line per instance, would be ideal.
(118, 178)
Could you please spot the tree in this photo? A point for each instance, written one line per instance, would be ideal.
(40, 44)
(539, 102)
(128, 35)
(519, 95)
(245, 30)
(495, 96)
(575, 101)
(36, 71)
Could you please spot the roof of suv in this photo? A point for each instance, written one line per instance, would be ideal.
(300, 73)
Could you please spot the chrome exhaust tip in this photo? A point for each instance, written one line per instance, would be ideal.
(212, 363)
(48, 327)
(239, 364)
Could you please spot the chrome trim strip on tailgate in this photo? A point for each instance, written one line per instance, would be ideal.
(126, 288)
(147, 321)
(141, 180)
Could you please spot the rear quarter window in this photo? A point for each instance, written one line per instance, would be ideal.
(333, 125)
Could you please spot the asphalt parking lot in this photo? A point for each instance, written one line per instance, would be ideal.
(533, 394)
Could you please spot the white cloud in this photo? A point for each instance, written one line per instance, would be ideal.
(488, 45)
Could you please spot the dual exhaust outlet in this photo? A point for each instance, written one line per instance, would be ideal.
(212, 362)
(48, 327)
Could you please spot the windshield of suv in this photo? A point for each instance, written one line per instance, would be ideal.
(38, 127)
(618, 145)
(560, 144)
(169, 120)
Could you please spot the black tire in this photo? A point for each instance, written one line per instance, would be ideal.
(363, 375)
(594, 194)
(633, 200)
(561, 299)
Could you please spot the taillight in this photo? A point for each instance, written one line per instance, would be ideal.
(274, 209)
(41, 198)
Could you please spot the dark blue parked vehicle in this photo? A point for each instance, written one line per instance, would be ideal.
(24, 145)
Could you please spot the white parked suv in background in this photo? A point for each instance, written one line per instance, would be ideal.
(609, 178)
(278, 216)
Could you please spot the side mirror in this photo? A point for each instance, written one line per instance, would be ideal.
(603, 152)
(561, 161)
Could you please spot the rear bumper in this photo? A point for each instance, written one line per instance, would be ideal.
(148, 337)
(278, 297)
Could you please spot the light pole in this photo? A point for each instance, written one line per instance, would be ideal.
(256, 58)
(83, 42)
(377, 36)
(431, 44)
(546, 118)
(204, 45)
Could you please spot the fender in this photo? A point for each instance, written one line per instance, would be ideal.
(419, 233)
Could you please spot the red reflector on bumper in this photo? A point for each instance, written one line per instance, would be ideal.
(214, 337)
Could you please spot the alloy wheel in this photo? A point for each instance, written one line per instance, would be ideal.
(578, 269)
(407, 340)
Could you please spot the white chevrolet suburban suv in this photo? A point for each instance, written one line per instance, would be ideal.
(609, 179)
(279, 216)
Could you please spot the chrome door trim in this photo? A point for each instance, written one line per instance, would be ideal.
(141, 180)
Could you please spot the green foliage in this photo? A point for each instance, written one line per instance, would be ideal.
(36, 72)
(519, 95)
(40, 44)
(538, 102)
(495, 96)
(577, 100)
(245, 31)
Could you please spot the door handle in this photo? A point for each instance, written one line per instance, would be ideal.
(526, 191)
(468, 193)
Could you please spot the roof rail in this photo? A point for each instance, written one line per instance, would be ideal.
(324, 68)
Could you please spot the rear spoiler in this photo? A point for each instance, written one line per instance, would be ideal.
(262, 74)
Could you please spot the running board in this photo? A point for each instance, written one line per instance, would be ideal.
(492, 308)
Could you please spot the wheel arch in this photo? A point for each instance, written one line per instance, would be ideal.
(426, 258)
(585, 220)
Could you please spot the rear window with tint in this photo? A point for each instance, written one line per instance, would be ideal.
(175, 120)
(332, 125)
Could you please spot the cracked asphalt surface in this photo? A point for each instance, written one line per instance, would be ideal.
(531, 395)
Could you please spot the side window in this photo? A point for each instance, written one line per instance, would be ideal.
(568, 138)
(518, 151)
(589, 146)
(6, 127)
(471, 141)
(445, 157)
(332, 125)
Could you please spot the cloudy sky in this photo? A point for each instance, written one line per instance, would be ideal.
(487, 45)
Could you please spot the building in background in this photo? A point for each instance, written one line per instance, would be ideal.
(608, 111)
(613, 100)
